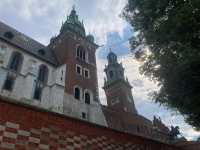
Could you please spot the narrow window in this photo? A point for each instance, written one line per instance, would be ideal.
(38, 92)
(79, 69)
(43, 74)
(77, 93)
(83, 115)
(111, 74)
(41, 80)
(87, 98)
(86, 73)
(81, 53)
(16, 61)
(78, 52)
(9, 83)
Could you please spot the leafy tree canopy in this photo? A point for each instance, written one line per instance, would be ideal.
(170, 29)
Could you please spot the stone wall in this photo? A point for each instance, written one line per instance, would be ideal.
(30, 128)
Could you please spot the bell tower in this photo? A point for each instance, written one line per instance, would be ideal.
(77, 50)
(116, 87)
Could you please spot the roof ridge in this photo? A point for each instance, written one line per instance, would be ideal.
(27, 43)
(19, 32)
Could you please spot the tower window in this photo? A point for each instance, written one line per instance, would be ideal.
(79, 69)
(81, 53)
(111, 74)
(87, 98)
(9, 83)
(77, 93)
(86, 73)
(16, 61)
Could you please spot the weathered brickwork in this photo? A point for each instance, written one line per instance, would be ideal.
(25, 128)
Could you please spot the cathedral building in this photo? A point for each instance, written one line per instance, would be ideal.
(62, 78)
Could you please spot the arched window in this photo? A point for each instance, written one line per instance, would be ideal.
(43, 74)
(81, 53)
(16, 61)
(41, 80)
(87, 98)
(77, 93)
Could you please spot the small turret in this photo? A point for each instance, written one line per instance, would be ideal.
(114, 70)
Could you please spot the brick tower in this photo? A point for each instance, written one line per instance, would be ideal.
(117, 88)
(77, 50)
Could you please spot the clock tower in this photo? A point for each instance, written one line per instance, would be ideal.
(117, 88)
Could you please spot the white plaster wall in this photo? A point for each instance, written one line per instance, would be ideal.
(3, 74)
(23, 89)
(74, 108)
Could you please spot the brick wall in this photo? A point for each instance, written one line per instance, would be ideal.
(28, 128)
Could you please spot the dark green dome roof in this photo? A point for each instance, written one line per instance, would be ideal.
(112, 57)
(90, 38)
(73, 23)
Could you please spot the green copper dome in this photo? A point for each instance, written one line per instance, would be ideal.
(90, 38)
(73, 23)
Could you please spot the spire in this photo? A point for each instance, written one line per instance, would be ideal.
(73, 23)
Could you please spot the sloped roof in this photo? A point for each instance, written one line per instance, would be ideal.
(27, 44)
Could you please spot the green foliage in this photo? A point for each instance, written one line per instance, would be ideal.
(170, 29)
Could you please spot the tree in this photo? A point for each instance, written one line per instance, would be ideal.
(170, 30)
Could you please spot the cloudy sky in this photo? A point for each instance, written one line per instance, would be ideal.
(42, 19)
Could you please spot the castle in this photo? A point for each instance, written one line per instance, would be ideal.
(62, 78)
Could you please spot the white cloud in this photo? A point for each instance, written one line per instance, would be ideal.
(100, 16)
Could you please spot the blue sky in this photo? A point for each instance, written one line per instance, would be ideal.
(41, 20)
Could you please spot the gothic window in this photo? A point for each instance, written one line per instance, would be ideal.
(81, 53)
(111, 74)
(77, 93)
(43, 74)
(9, 83)
(87, 98)
(16, 61)
(38, 91)
(41, 80)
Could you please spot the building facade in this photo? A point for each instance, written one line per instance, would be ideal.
(62, 78)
